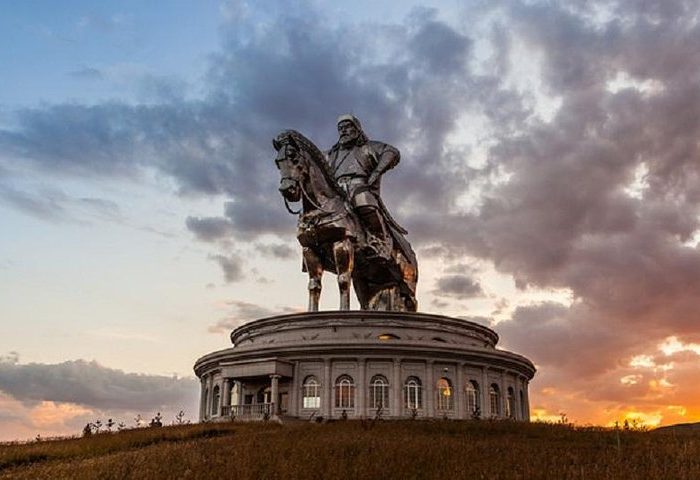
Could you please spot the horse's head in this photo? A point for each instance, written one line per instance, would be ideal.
(290, 163)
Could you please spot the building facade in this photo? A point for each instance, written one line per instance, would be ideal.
(363, 364)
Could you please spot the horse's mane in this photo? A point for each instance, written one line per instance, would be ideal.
(314, 152)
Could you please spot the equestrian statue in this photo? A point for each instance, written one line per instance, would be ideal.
(344, 227)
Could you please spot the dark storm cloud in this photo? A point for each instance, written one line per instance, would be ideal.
(564, 218)
(458, 286)
(231, 265)
(90, 384)
(210, 229)
(179, 139)
(295, 72)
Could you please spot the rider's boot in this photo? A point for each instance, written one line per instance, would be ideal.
(378, 241)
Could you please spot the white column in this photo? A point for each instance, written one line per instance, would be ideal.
(239, 394)
(228, 385)
(274, 392)
(429, 389)
(294, 391)
(210, 397)
(396, 390)
(504, 394)
(202, 397)
(222, 388)
(459, 397)
(485, 397)
(518, 413)
(526, 390)
(327, 388)
(361, 388)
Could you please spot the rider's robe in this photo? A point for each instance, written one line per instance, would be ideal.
(351, 169)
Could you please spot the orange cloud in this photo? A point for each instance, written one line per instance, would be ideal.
(56, 415)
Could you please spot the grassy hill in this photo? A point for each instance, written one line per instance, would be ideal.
(361, 450)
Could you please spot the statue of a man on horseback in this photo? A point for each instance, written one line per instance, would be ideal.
(343, 224)
(357, 164)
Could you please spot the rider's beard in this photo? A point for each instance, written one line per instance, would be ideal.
(346, 141)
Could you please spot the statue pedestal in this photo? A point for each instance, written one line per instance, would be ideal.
(364, 364)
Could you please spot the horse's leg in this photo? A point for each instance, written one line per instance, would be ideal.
(344, 262)
(315, 268)
(361, 291)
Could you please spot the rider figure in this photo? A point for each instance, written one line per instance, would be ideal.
(357, 164)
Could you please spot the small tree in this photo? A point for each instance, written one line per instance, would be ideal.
(179, 418)
(121, 426)
(87, 430)
(157, 420)
(138, 420)
(97, 425)
(109, 424)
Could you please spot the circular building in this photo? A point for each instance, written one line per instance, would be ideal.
(359, 364)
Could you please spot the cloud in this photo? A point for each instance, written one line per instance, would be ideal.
(278, 250)
(92, 385)
(231, 265)
(458, 286)
(210, 229)
(219, 143)
(54, 205)
(104, 23)
(87, 73)
(242, 312)
(45, 207)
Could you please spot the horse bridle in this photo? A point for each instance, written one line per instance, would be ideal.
(300, 185)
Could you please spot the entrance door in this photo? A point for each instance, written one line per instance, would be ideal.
(264, 395)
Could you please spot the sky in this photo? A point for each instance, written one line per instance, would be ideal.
(549, 181)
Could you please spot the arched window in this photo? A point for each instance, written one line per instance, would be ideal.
(522, 406)
(215, 401)
(510, 403)
(444, 389)
(344, 392)
(413, 394)
(311, 393)
(378, 392)
(473, 399)
(495, 400)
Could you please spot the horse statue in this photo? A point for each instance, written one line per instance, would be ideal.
(333, 238)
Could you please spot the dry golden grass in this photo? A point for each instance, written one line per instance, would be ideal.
(361, 450)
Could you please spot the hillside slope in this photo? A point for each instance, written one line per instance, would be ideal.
(360, 450)
(680, 428)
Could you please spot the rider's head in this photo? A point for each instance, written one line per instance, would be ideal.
(350, 131)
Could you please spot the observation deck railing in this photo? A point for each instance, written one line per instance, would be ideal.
(258, 410)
